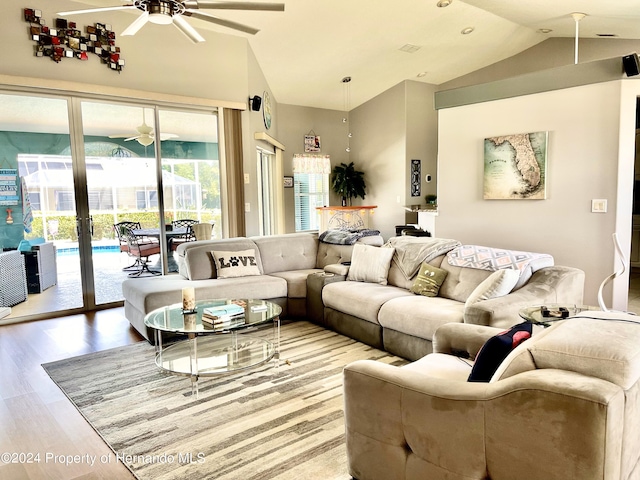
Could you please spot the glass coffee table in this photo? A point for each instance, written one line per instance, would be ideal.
(212, 349)
(555, 312)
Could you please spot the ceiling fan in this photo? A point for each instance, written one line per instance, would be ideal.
(165, 12)
(145, 136)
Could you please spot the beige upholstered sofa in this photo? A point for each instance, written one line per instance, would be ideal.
(564, 404)
(387, 315)
(281, 264)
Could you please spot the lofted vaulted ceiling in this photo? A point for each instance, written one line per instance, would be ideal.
(306, 50)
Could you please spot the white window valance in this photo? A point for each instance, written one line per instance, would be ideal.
(309, 163)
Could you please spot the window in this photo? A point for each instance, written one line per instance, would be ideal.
(311, 190)
(146, 199)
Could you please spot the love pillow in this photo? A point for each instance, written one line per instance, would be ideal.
(241, 263)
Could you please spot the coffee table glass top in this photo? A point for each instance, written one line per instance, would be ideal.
(533, 314)
(172, 318)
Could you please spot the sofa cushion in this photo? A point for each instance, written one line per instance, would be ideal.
(428, 280)
(152, 293)
(360, 299)
(419, 316)
(442, 365)
(461, 281)
(281, 253)
(231, 264)
(496, 349)
(498, 284)
(195, 261)
(576, 345)
(296, 281)
(370, 264)
(397, 277)
(329, 253)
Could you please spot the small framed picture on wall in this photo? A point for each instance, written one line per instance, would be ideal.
(288, 182)
(311, 143)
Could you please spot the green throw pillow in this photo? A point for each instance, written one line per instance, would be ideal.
(428, 281)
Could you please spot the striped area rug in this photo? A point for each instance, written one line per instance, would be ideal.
(260, 424)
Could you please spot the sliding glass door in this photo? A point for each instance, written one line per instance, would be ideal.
(71, 169)
(37, 203)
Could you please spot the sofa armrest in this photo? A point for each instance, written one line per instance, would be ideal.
(557, 284)
(462, 339)
(337, 269)
(315, 284)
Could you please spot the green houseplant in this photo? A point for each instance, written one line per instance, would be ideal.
(347, 182)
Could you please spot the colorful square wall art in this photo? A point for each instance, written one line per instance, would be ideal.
(515, 166)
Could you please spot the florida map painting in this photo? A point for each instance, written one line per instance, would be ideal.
(515, 166)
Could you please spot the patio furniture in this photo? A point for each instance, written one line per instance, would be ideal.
(141, 248)
(187, 237)
(13, 288)
(119, 228)
(41, 267)
(202, 231)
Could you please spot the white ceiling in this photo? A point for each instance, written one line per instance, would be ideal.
(306, 50)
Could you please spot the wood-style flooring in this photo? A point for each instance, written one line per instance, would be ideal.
(36, 418)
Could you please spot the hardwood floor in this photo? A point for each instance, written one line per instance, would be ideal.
(35, 416)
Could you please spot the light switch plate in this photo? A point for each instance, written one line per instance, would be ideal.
(599, 205)
(246, 178)
(247, 207)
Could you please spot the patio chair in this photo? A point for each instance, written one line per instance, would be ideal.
(141, 248)
(202, 231)
(119, 229)
(187, 237)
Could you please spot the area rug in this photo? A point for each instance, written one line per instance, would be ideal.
(260, 424)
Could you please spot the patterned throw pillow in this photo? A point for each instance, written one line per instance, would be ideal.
(496, 349)
(235, 264)
(428, 280)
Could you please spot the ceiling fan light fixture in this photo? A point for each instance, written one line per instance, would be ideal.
(160, 12)
(145, 140)
(444, 3)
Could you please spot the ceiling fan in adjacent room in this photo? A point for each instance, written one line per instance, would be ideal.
(145, 136)
(165, 12)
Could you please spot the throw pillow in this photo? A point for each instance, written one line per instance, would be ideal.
(498, 284)
(496, 349)
(370, 264)
(428, 280)
(235, 264)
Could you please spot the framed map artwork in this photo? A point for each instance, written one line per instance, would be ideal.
(515, 166)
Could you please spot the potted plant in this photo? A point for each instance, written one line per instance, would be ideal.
(347, 182)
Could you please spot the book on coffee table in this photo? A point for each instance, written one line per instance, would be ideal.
(228, 310)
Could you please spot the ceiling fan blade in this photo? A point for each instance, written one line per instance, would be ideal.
(167, 136)
(137, 24)
(187, 29)
(131, 138)
(101, 9)
(196, 4)
(220, 21)
(126, 135)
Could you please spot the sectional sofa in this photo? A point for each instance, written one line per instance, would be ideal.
(366, 300)
(276, 269)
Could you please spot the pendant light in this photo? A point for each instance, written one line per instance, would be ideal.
(346, 81)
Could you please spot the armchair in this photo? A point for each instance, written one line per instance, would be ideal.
(564, 404)
(187, 237)
(141, 249)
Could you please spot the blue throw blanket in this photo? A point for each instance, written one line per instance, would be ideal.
(345, 237)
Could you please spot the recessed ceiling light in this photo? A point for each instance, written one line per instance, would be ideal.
(409, 48)
(467, 31)
(444, 3)
(421, 74)
(545, 30)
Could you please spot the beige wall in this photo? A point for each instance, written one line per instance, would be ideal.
(583, 150)
(295, 123)
(158, 58)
